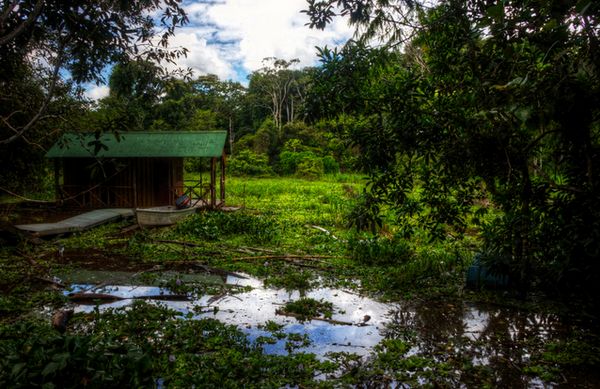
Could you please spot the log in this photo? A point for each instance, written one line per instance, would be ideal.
(191, 244)
(89, 297)
(307, 257)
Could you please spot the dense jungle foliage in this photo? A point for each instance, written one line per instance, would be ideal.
(451, 110)
(441, 131)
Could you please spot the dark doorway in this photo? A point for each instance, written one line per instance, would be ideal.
(161, 182)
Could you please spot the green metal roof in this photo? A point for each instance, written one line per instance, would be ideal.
(143, 144)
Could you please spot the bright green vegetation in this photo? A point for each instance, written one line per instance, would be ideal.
(136, 347)
(308, 307)
(478, 131)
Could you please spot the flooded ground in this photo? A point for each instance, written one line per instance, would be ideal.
(473, 344)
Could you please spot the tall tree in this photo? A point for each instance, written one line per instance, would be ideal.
(81, 38)
(482, 93)
(271, 86)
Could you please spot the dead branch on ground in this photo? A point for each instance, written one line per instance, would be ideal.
(283, 313)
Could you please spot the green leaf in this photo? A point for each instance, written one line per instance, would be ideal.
(144, 363)
(485, 22)
(17, 368)
(496, 12)
(582, 6)
(50, 368)
(550, 25)
(508, 52)
(523, 113)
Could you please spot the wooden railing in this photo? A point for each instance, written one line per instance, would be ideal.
(102, 196)
(197, 190)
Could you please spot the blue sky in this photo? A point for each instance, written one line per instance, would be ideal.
(230, 38)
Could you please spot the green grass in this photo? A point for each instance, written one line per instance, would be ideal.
(279, 219)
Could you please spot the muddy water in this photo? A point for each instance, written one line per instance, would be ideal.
(480, 336)
(496, 337)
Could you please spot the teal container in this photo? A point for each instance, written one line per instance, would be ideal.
(477, 276)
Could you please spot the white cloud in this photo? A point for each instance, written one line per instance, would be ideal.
(230, 37)
(96, 92)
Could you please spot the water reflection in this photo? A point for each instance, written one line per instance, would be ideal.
(479, 335)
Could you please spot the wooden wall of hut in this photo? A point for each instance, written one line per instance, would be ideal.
(127, 182)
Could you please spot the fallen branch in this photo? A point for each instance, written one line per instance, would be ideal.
(116, 280)
(191, 244)
(307, 257)
(132, 227)
(322, 229)
(215, 298)
(90, 297)
(283, 313)
(208, 268)
(511, 363)
(290, 259)
(26, 199)
(48, 280)
(221, 271)
(298, 263)
(258, 250)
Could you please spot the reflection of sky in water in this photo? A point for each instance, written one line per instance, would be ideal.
(248, 310)
(437, 324)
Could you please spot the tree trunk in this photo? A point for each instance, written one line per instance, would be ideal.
(525, 262)
(231, 136)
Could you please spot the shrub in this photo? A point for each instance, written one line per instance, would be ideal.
(246, 163)
(330, 165)
(258, 229)
(379, 251)
(310, 167)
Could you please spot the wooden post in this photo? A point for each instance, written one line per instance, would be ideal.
(134, 167)
(222, 183)
(57, 179)
(213, 183)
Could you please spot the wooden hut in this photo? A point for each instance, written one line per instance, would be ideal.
(141, 169)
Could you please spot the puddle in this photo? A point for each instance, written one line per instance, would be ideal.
(480, 336)
(249, 310)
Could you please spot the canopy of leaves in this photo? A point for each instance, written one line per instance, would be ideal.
(487, 101)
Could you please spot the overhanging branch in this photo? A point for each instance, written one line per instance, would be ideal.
(551, 181)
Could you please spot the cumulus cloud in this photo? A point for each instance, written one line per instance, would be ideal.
(230, 38)
(96, 92)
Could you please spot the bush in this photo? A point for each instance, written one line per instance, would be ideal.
(258, 229)
(310, 167)
(305, 164)
(330, 165)
(379, 251)
(246, 163)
